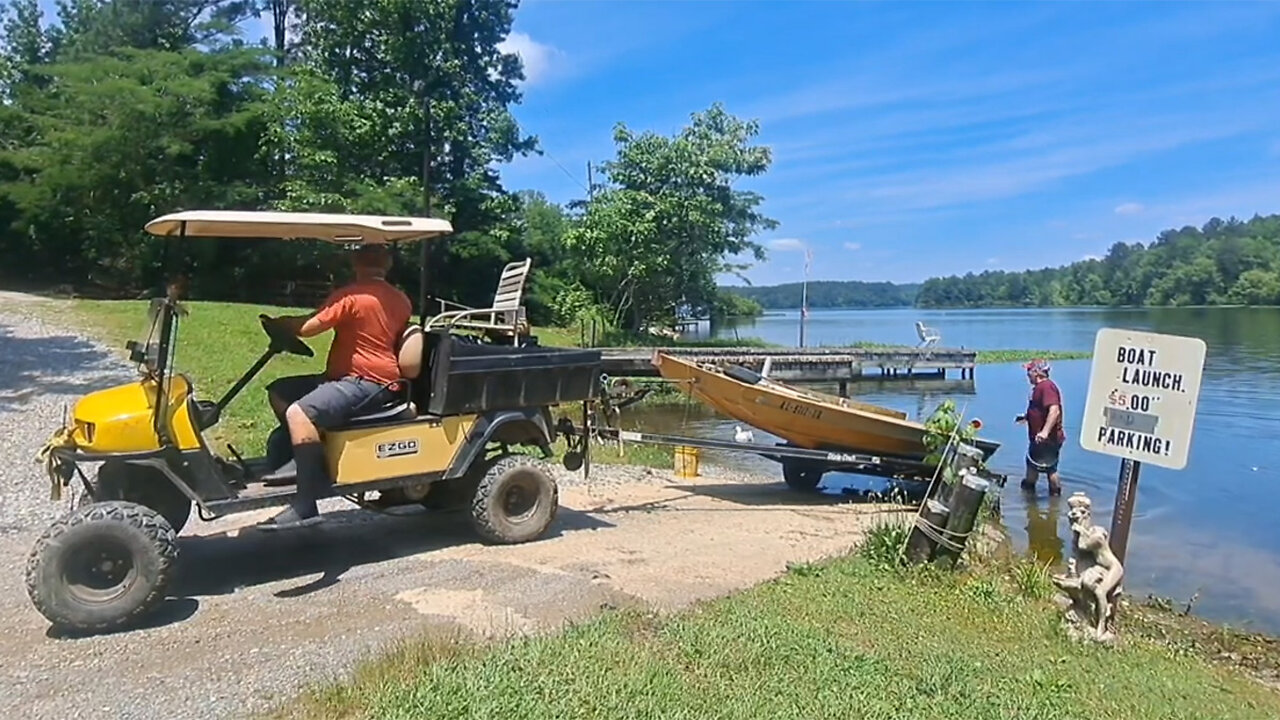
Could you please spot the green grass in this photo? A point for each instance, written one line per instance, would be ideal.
(993, 357)
(840, 639)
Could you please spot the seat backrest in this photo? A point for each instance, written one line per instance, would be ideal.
(410, 352)
(920, 330)
(511, 285)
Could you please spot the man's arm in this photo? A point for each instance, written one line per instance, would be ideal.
(294, 323)
(313, 324)
(1053, 401)
(1055, 414)
(305, 325)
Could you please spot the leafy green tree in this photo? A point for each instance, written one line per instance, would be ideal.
(120, 139)
(831, 294)
(667, 218)
(1256, 287)
(350, 131)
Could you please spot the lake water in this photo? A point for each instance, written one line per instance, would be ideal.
(1212, 528)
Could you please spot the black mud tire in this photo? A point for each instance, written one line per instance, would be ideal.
(102, 567)
(143, 486)
(800, 477)
(515, 500)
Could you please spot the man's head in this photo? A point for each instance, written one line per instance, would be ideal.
(371, 262)
(1037, 370)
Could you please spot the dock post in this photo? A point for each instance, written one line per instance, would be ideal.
(920, 546)
(966, 499)
(844, 388)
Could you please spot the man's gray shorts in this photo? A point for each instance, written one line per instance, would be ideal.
(330, 403)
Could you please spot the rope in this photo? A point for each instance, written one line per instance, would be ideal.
(937, 471)
(938, 534)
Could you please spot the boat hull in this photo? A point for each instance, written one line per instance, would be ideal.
(804, 419)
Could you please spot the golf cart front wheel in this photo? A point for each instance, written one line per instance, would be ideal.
(515, 501)
(102, 567)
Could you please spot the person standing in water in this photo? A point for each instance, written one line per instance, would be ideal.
(1045, 436)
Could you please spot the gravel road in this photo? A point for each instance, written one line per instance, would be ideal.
(253, 618)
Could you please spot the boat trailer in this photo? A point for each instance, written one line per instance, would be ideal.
(802, 468)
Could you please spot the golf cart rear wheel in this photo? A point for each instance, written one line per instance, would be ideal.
(799, 477)
(102, 567)
(515, 501)
(144, 486)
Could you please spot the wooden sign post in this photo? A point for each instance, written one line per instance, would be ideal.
(1143, 390)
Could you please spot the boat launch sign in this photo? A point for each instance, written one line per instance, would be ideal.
(1142, 398)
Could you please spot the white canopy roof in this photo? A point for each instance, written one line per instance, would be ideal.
(335, 228)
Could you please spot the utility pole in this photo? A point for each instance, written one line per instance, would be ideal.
(423, 249)
(591, 185)
(804, 294)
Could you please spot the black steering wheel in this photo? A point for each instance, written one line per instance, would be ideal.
(282, 340)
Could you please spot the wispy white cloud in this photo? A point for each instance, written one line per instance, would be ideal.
(787, 244)
(853, 246)
(1129, 208)
(1015, 173)
(993, 260)
(539, 59)
(1091, 257)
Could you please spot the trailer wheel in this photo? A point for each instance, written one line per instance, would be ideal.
(515, 500)
(799, 477)
(101, 567)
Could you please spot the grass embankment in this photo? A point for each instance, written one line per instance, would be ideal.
(996, 357)
(844, 638)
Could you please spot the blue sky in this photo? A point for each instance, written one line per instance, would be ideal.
(916, 139)
(927, 138)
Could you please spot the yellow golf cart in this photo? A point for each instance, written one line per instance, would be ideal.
(447, 437)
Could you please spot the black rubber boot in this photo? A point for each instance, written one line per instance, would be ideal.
(313, 484)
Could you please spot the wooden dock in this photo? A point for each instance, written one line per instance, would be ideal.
(833, 365)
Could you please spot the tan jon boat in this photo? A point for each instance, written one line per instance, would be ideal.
(806, 419)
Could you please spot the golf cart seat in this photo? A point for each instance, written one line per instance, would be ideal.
(409, 354)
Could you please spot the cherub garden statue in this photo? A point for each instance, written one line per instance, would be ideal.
(1092, 582)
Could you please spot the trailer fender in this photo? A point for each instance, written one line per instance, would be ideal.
(527, 426)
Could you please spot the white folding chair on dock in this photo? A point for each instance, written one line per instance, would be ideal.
(929, 337)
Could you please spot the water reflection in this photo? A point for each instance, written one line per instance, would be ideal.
(1044, 515)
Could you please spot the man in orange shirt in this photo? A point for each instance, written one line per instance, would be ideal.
(367, 317)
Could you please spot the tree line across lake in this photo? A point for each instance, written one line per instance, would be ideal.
(1225, 262)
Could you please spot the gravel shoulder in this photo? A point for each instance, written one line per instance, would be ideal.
(254, 618)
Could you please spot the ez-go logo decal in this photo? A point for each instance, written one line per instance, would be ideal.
(397, 448)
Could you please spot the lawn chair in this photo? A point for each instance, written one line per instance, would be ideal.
(929, 337)
(505, 317)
